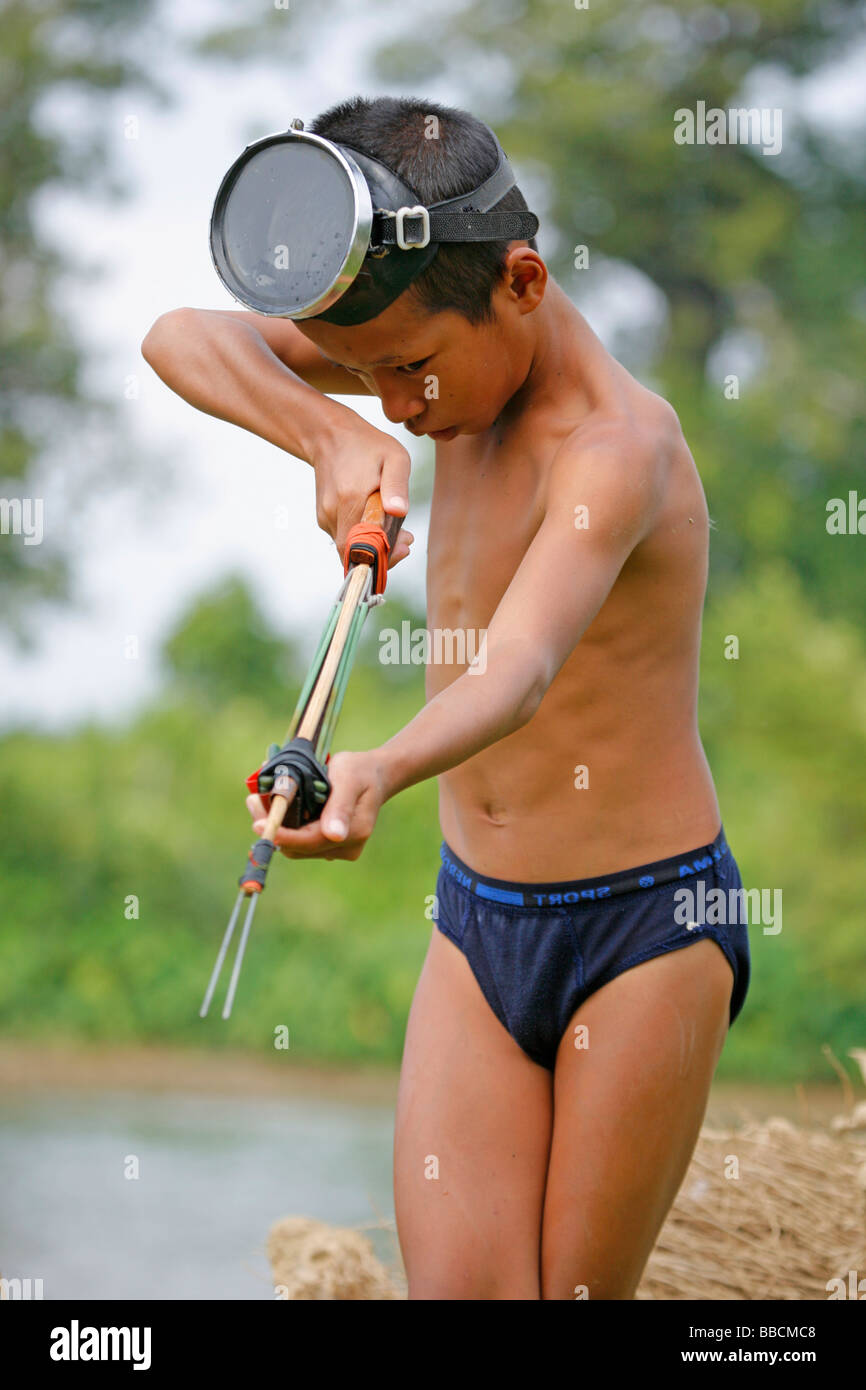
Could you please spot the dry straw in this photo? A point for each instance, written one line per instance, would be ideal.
(310, 1260)
(768, 1211)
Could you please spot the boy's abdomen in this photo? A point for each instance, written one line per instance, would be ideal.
(586, 787)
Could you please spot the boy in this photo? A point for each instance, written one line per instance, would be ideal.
(566, 1024)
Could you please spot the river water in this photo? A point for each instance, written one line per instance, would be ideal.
(158, 1174)
(214, 1173)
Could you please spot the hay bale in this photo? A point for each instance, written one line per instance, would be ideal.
(769, 1211)
(791, 1220)
(311, 1260)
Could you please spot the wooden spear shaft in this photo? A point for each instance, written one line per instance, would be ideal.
(374, 515)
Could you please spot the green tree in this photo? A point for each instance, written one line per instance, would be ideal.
(223, 648)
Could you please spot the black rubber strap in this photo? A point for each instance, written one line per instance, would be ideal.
(298, 759)
(458, 226)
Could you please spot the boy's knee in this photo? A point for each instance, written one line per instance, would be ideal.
(568, 1282)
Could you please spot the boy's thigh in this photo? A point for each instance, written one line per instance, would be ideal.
(629, 1097)
(471, 1144)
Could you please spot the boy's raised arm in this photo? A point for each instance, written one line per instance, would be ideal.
(263, 375)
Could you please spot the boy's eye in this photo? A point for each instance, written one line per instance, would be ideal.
(413, 366)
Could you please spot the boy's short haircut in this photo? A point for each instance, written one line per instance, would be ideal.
(460, 156)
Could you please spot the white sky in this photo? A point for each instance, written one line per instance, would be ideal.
(144, 558)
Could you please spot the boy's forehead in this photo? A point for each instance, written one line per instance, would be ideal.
(396, 335)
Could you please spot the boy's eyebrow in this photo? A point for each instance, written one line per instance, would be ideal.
(382, 362)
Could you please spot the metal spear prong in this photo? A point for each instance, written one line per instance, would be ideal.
(355, 591)
(242, 946)
(229, 931)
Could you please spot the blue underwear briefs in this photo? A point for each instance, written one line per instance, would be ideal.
(539, 950)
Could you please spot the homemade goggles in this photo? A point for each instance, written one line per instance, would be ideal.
(306, 228)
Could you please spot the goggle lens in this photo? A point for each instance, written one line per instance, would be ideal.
(286, 226)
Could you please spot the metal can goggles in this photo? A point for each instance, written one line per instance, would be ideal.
(303, 227)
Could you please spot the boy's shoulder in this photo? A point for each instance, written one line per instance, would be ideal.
(641, 426)
(619, 459)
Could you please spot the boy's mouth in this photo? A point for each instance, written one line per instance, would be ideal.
(443, 436)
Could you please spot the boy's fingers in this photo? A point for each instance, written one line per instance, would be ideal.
(306, 837)
(260, 820)
(394, 484)
(339, 810)
(400, 548)
(330, 829)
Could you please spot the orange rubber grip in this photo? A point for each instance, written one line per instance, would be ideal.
(370, 541)
(358, 543)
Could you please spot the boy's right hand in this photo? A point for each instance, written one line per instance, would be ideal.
(350, 465)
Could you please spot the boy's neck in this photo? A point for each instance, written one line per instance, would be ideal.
(561, 344)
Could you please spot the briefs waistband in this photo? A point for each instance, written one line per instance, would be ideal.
(582, 890)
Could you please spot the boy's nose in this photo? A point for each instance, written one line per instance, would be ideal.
(399, 404)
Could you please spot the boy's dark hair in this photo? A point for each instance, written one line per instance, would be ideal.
(394, 130)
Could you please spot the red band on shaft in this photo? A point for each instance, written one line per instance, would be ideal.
(373, 536)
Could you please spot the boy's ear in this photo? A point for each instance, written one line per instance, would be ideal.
(525, 277)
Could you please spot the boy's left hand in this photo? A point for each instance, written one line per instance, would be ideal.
(357, 792)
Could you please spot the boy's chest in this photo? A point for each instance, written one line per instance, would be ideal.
(488, 503)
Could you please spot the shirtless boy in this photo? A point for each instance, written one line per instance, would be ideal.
(566, 1024)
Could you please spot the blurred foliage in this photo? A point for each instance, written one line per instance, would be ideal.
(223, 649)
(758, 256)
(48, 48)
(268, 30)
(784, 726)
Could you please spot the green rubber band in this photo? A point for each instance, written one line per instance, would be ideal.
(313, 672)
(341, 680)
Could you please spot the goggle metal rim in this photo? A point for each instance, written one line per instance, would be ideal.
(359, 240)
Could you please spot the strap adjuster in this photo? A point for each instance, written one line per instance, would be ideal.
(400, 218)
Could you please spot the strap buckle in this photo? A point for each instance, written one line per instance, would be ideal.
(400, 219)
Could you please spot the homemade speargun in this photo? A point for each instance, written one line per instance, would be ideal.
(293, 780)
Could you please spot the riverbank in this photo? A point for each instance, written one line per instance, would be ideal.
(26, 1066)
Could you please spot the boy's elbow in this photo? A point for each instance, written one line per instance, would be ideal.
(154, 339)
(531, 700)
(164, 333)
(519, 678)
